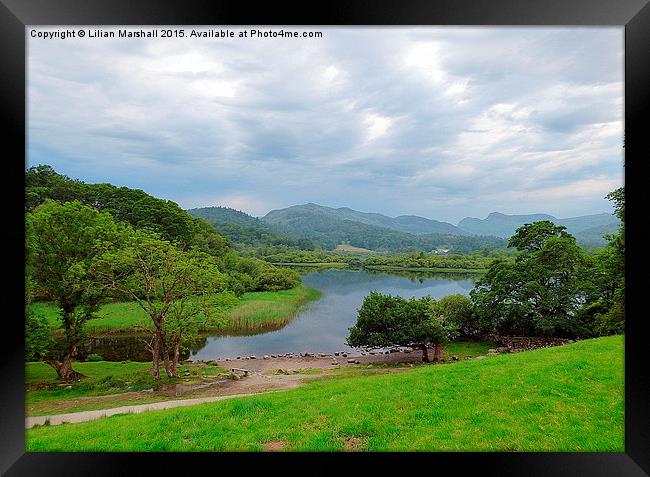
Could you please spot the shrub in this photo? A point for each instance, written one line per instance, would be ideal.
(274, 279)
(94, 357)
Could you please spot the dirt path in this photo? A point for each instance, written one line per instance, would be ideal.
(90, 415)
(261, 378)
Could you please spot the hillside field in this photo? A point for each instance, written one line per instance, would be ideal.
(567, 398)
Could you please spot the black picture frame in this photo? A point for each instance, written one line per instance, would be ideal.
(634, 15)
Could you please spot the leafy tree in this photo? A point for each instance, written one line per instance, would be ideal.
(386, 320)
(37, 332)
(172, 286)
(133, 206)
(457, 312)
(43, 182)
(604, 310)
(531, 237)
(63, 243)
(539, 292)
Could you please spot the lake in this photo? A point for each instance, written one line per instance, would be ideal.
(321, 327)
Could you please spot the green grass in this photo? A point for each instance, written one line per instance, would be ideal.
(39, 372)
(262, 310)
(45, 395)
(344, 247)
(567, 398)
(111, 317)
(469, 348)
(254, 310)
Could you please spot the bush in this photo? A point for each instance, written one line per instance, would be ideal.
(94, 357)
(240, 283)
(274, 279)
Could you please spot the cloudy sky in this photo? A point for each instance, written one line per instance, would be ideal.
(439, 122)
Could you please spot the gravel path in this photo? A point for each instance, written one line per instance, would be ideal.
(90, 415)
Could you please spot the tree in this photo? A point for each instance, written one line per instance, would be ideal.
(539, 292)
(604, 310)
(457, 313)
(37, 332)
(43, 183)
(386, 320)
(172, 286)
(133, 206)
(63, 242)
(531, 237)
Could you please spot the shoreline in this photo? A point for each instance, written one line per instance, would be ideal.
(387, 268)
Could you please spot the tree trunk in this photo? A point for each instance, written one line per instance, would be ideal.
(166, 360)
(437, 350)
(425, 354)
(155, 357)
(63, 368)
(177, 353)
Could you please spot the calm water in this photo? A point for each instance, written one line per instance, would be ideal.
(323, 326)
(320, 328)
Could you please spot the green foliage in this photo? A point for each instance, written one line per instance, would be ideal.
(133, 206)
(604, 310)
(244, 230)
(531, 237)
(554, 288)
(539, 292)
(37, 333)
(64, 242)
(171, 285)
(386, 320)
(37, 336)
(329, 229)
(618, 197)
(430, 260)
(93, 357)
(275, 278)
(458, 315)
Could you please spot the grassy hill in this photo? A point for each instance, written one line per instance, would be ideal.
(244, 229)
(410, 224)
(330, 227)
(568, 398)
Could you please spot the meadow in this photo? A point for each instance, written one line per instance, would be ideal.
(566, 398)
(251, 311)
(105, 380)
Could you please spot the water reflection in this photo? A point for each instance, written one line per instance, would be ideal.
(323, 325)
(320, 328)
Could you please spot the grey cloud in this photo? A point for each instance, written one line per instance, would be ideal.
(350, 119)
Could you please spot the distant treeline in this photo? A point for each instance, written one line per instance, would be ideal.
(415, 260)
(164, 217)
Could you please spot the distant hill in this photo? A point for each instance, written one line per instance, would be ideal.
(330, 227)
(244, 229)
(226, 215)
(587, 229)
(411, 224)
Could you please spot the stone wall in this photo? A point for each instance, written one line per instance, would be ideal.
(525, 342)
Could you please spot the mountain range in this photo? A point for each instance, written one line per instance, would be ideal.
(588, 229)
(330, 227)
